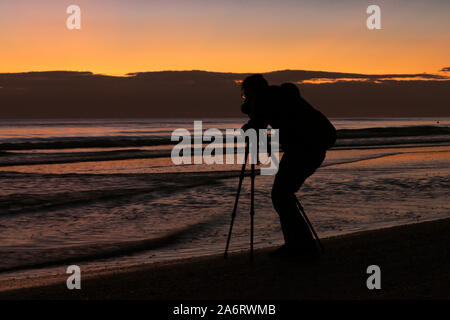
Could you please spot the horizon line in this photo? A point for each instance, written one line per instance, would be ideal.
(439, 73)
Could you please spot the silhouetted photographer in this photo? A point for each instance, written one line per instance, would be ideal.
(305, 136)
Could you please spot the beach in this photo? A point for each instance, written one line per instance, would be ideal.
(414, 261)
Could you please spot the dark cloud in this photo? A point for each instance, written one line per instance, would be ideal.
(203, 94)
(446, 69)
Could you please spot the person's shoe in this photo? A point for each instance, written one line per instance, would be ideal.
(280, 252)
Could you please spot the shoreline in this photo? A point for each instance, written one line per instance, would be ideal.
(414, 260)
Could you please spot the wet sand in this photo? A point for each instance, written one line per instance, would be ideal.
(414, 261)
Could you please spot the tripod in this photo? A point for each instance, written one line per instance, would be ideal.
(252, 204)
(303, 213)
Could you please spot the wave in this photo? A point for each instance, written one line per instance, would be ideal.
(28, 153)
(85, 142)
(168, 183)
(140, 141)
(82, 253)
(384, 132)
(34, 158)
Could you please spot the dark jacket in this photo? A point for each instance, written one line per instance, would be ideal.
(302, 127)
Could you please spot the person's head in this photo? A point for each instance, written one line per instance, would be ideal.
(253, 84)
(250, 88)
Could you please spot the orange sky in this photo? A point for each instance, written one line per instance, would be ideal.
(118, 37)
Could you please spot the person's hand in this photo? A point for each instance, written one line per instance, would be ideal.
(245, 127)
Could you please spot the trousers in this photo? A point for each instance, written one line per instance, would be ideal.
(294, 169)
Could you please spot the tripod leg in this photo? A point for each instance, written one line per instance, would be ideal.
(252, 211)
(233, 215)
(302, 211)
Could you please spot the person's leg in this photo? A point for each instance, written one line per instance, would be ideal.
(292, 172)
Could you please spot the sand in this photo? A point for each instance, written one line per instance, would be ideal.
(414, 262)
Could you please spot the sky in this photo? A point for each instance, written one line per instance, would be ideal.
(120, 37)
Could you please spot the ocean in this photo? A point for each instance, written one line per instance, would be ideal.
(104, 193)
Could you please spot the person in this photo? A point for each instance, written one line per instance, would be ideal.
(305, 135)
